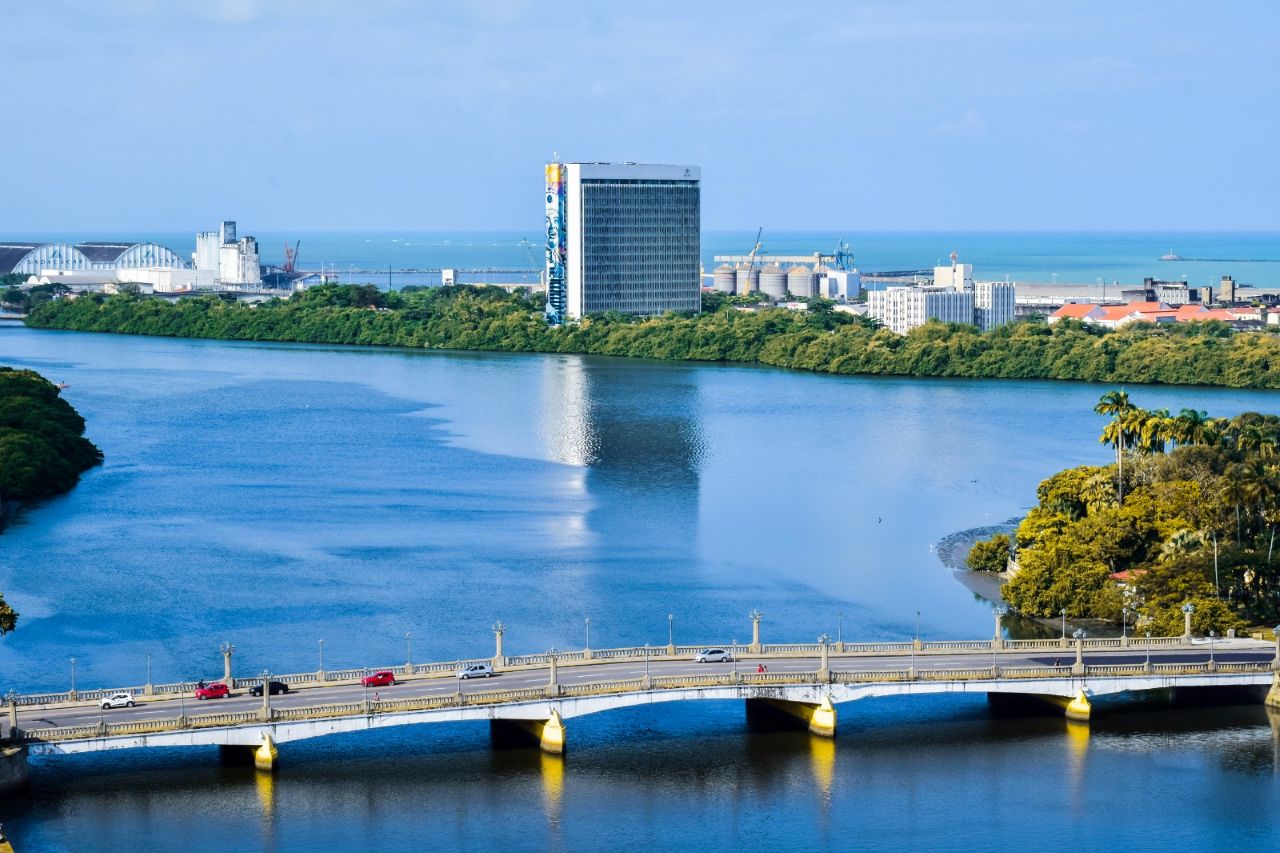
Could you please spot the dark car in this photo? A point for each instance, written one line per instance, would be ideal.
(277, 687)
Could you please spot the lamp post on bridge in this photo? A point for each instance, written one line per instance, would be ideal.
(553, 685)
(408, 653)
(671, 634)
(1148, 651)
(824, 671)
(755, 616)
(227, 651)
(1187, 610)
(997, 642)
(1078, 667)
(648, 683)
(1213, 664)
(320, 674)
(72, 695)
(840, 631)
(11, 699)
(498, 630)
(1063, 611)
(266, 695)
(915, 644)
(148, 688)
(586, 649)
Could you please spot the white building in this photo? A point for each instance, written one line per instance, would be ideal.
(231, 261)
(954, 297)
(904, 308)
(841, 285)
(622, 237)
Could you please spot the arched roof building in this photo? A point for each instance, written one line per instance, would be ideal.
(34, 258)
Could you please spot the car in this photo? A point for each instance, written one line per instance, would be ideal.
(382, 678)
(476, 670)
(276, 687)
(216, 690)
(713, 656)
(118, 700)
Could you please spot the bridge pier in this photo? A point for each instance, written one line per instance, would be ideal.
(266, 755)
(548, 734)
(819, 719)
(1273, 695)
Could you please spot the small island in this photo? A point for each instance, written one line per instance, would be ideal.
(1186, 515)
(43, 450)
(820, 338)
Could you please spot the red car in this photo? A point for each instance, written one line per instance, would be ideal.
(216, 690)
(380, 679)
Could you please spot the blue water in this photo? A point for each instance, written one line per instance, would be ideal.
(1075, 257)
(276, 495)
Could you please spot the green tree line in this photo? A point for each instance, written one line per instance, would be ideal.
(43, 450)
(1189, 510)
(819, 339)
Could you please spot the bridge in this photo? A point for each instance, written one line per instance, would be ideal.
(531, 696)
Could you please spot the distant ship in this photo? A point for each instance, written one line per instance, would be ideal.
(1172, 256)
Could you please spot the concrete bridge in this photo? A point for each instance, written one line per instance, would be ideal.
(533, 696)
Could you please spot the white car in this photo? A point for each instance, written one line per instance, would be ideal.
(118, 700)
(476, 670)
(713, 656)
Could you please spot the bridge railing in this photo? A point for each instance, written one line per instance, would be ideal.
(580, 657)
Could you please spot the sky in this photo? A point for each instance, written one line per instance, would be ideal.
(314, 115)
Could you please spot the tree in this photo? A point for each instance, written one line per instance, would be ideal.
(991, 555)
(8, 617)
(1193, 427)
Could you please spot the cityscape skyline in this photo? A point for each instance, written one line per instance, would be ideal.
(873, 117)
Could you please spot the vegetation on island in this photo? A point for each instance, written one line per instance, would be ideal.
(43, 450)
(990, 555)
(819, 339)
(1186, 515)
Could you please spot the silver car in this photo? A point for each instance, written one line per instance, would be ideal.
(117, 700)
(713, 656)
(476, 670)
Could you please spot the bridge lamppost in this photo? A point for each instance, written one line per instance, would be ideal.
(266, 695)
(73, 678)
(824, 672)
(840, 631)
(997, 642)
(1063, 611)
(553, 685)
(1213, 664)
(671, 633)
(320, 674)
(498, 629)
(1187, 610)
(227, 650)
(755, 616)
(1078, 668)
(1148, 651)
(915, 644)
(148, 689)
(1124, 623)
(647, 683)
(408, 653)
(11, 699)
(587, 622)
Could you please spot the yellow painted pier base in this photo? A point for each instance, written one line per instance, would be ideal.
(264, 757)
(549, 734)
(1273, 695)
(820, 719)
(1077, 708)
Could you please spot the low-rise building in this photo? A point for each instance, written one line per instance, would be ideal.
(953, 297)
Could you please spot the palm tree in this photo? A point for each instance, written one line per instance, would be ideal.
(1185, 541)
(1192, 427)
(1154, 429)
(1254, 437)
(1098, 493)
(1235, 491)
(1116, 433)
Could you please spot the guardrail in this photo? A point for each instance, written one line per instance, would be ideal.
(633, 685)
(636, 653)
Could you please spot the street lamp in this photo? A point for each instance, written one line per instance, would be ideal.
(671, 629)
(587, 620)
(408, 639)
(646, 663)
(73, 676)
(1212, 634)
(322, 655)
(1148, 650)
(1124, 624)
(917, 627)
(840, 628)
(148, 667)
(1064, 622)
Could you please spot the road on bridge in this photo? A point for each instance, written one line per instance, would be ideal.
(168, 707)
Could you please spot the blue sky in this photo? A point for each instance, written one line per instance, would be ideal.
(392, 114)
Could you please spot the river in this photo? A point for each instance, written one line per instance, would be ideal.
(277, 495)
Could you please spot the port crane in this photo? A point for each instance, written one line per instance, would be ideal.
(291, 256)
(751, 258)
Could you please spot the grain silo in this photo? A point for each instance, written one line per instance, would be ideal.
(773, 282)
(726, 279)
(802, 282)
(748, 279)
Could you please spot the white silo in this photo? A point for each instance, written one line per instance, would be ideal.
(748, 279)
(726, 279)
(802, 283)
(773, 282)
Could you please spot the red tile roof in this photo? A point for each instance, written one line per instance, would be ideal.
(1075, 309)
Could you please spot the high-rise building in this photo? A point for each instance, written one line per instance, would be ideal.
(622, 237)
